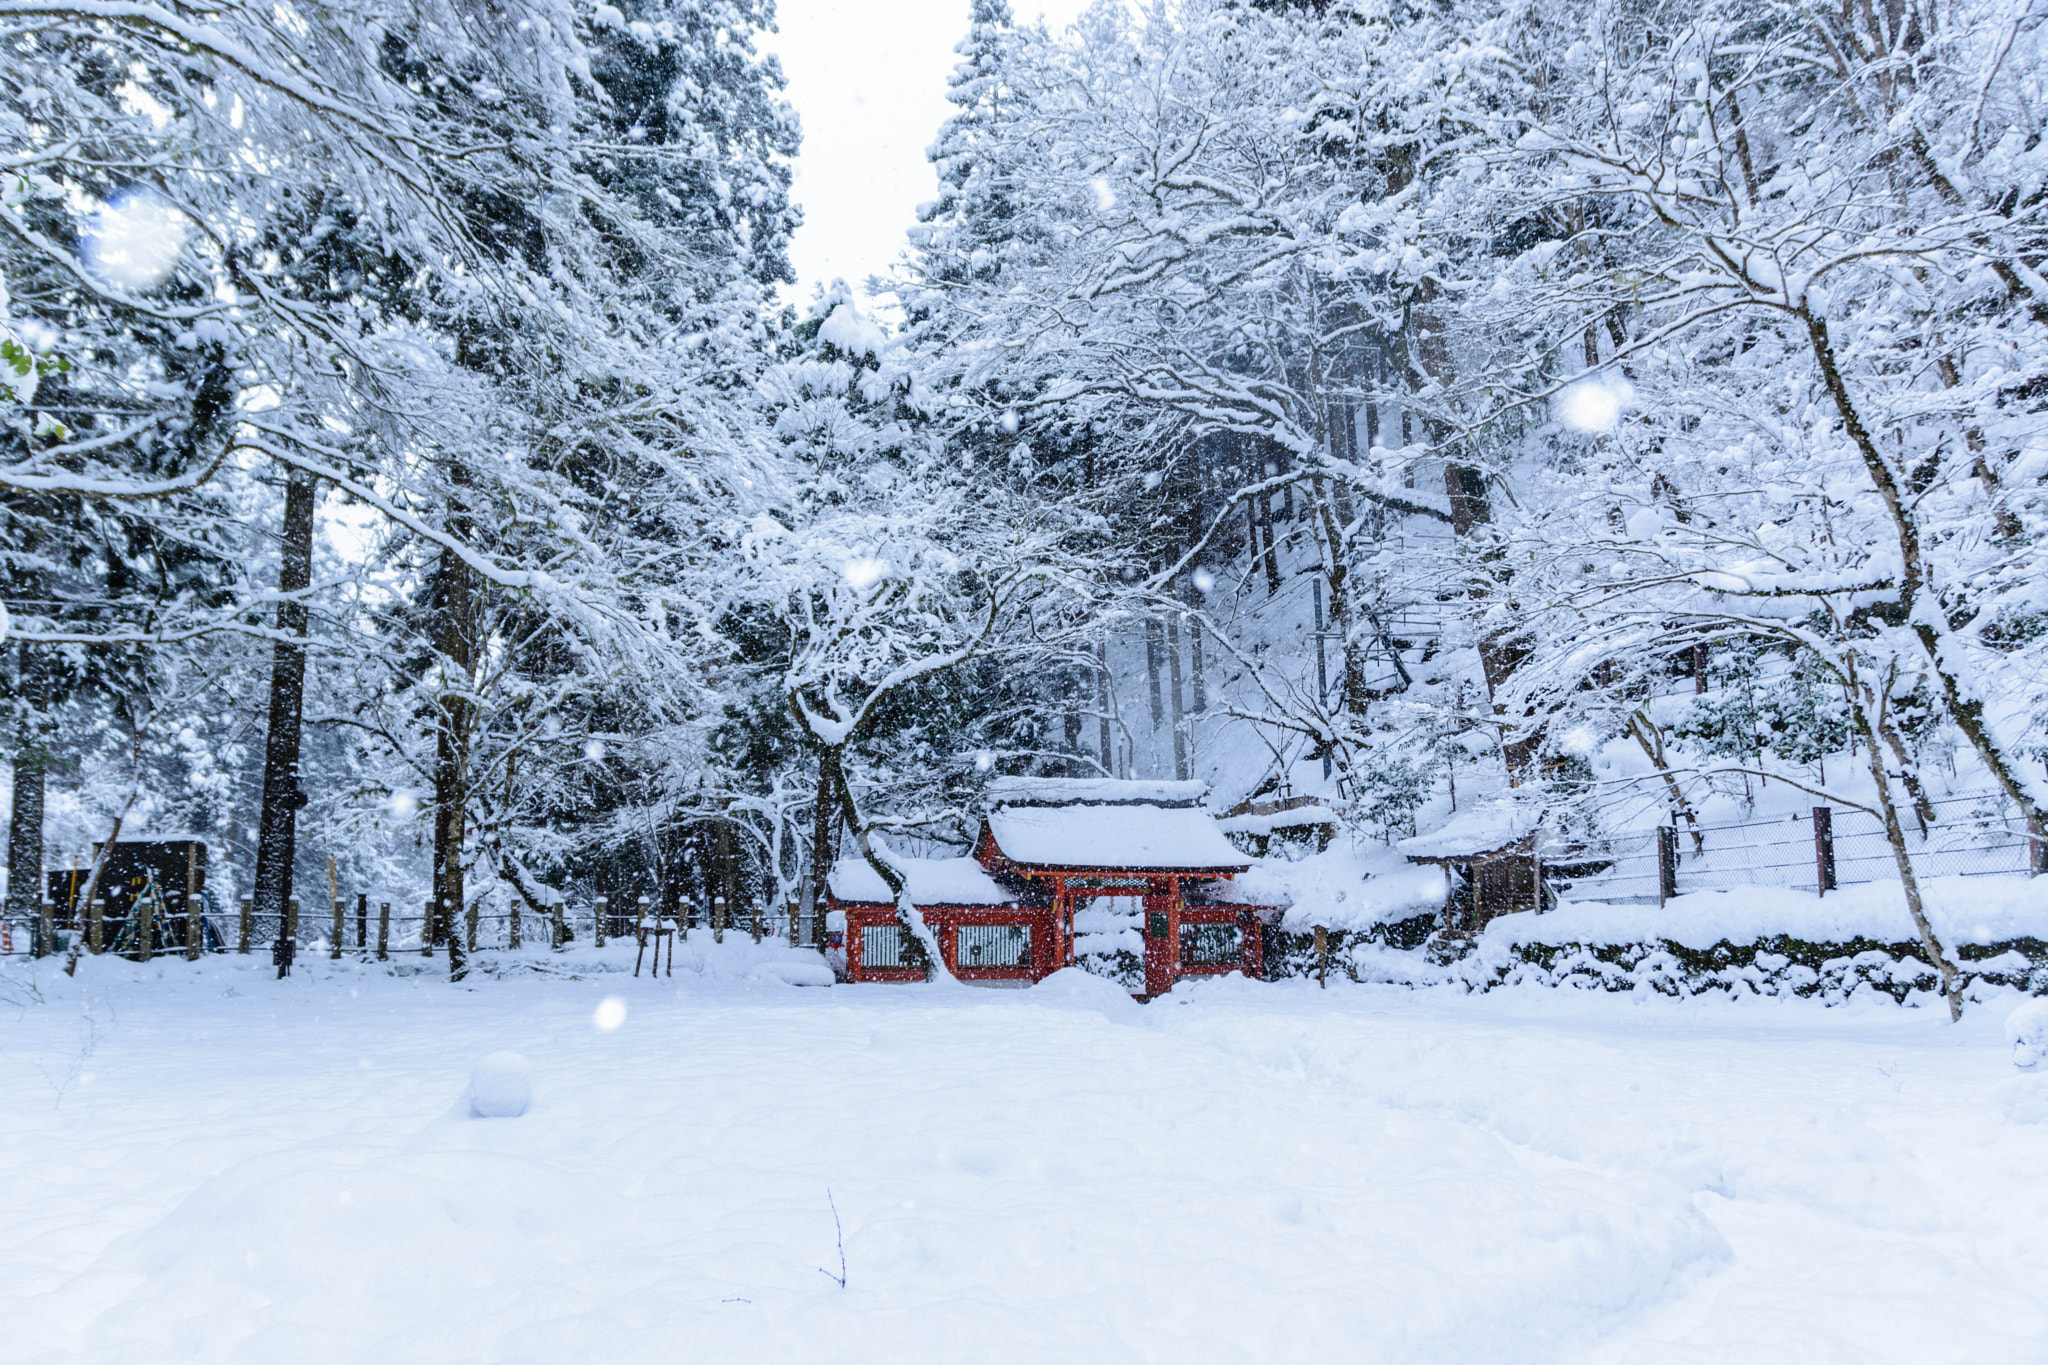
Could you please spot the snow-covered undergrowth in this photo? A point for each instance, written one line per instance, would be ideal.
(1766, 941)
(202, 1163)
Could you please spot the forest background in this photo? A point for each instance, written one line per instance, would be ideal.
(407, 460)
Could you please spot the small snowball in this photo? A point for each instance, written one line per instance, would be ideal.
(2026, 1028)
(498, 1088)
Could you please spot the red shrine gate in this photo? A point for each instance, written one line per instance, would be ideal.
(1048, 848)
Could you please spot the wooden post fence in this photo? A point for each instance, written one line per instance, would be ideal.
(427, 929)
(383, 931)
(340, 928)
(604, 905)
(362, 922)
(1667, 863)
(195, 917)
(512, 922)
(1824, 849)
(242, 926)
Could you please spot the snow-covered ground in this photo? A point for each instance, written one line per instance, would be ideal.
(205, 1164)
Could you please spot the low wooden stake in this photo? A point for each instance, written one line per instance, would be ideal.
(383, 931)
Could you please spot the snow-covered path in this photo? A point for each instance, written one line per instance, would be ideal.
(207, 1165)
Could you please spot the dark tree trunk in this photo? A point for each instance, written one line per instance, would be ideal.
(821, 845)
(25, 818)
(451, 759)
(277, 829)
(455, 641)
(1269, 457)
(1107, 736)
(1153, 646)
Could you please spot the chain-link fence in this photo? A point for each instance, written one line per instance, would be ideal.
(1972, 835)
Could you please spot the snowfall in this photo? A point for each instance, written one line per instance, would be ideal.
(201, 1163)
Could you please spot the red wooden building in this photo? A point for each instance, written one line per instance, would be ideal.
(1050, 847)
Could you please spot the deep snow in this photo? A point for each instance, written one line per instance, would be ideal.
(206, 1164)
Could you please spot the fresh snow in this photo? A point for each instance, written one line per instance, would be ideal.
(930, 881)
(2026, 1028)
(1100, 791)
(499, 1088)
(1479, 829)
(1113, 837)
(1342, 888)
(1961, 909)
(203, 1163)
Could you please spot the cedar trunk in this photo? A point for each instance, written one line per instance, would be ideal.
(277, 828)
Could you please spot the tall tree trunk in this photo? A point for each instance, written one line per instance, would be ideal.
(821, 845)
(277, 826)
(25, 817)
(451, 754)
(1152, 650)
(1073, 691)
(1108, 737)
(1895, 835)
(1180, 729)
(455, 642)
(1267, 459)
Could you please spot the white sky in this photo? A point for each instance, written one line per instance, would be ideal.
(869, 81)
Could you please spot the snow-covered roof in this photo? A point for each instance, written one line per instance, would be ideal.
(1479, 829)
(1101, 836)
(1093, 791)
(1284, 819)
(932, 881)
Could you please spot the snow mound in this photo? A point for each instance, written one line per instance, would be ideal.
(2026, 1028)
(793, 973)
(1073, 986)
(2024, 1099)
(499, 1088)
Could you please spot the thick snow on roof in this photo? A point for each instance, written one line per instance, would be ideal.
(1113, 837)
(933, 881)
(1096, 791)
(1344, 888)
(1481, 829)
(1285, 819)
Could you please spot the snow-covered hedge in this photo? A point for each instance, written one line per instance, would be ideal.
(1761, 941)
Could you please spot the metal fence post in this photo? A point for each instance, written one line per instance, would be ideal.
(1824, 848)
(1667, 863)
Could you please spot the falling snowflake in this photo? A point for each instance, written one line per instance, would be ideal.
(865, 573)
(133, 242)
(1594, 404)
